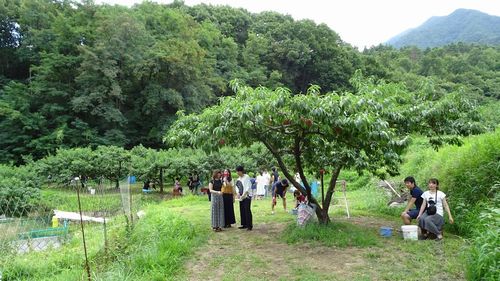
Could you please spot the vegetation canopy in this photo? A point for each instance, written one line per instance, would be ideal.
(366, 130)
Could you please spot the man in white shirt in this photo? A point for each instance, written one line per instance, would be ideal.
(245, 192)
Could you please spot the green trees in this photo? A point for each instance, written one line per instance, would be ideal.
(366, 130)
(471, 67)
(105, 162)
(74, 73)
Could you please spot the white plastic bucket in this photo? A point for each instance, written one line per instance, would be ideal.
(92, 191)
(410, 232)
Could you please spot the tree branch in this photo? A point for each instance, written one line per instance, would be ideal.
(331, 187)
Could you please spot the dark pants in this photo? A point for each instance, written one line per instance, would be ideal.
(246, 213)
(228, 209)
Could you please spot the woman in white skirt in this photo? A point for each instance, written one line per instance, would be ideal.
(261, 185)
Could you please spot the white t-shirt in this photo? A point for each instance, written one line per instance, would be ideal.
(247, 186)
(432, 196)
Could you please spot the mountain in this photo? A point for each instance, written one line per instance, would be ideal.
(468, 26)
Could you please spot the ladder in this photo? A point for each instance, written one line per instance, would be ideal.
(343, 184)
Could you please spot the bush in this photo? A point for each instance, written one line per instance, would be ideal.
(19, 192)
(470, 176)
(354, 180)
(467, 174)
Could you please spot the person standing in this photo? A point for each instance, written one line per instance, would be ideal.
(416, 199)
(244, 186)
(267, 186)
(228, 194)
(274, 179)
(217, 210)
(261, 186)
(196, 183)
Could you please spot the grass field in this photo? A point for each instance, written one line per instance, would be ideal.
(174, 241)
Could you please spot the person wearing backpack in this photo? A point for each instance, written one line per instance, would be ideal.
(430, 218)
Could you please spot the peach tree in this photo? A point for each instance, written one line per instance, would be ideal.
(367, 130)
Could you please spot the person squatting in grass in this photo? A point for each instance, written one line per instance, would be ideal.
(408, 214)
(299, 198)
(279, 189)
(217, 210)
(177, 185)
(430, 218)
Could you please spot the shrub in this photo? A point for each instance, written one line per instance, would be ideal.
(19, 192)
(467, 175)
(470, 176)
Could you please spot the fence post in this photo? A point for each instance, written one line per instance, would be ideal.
(87, 267)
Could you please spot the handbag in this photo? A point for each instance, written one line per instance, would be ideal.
(431, 209)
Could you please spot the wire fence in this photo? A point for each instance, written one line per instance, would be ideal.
(67, 212)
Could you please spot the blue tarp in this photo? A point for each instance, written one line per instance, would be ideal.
(314, 188)
(131, 179)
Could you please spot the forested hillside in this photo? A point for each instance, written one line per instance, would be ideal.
(463, 25)
(80, 74)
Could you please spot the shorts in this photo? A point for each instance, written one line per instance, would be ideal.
(413, 213)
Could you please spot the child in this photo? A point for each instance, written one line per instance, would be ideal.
(299, 198)
(177, 185)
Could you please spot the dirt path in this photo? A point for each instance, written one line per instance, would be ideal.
(236, 254)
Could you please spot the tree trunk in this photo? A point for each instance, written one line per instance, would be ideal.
(321, 211)
(118, 175)
(161, 180)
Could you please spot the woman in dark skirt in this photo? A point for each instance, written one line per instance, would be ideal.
(228, 194)
(215, 188)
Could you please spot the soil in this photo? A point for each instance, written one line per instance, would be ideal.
(228, 254)
(261, 254)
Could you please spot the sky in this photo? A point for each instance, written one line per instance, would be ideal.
(362, 23)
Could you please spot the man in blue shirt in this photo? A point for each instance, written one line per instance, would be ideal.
(416, 199)
(280, 189)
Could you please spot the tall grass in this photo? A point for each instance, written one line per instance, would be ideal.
(157, 246)
(470, 176)
(483, 259)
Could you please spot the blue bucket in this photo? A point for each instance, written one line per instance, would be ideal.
(385, 231)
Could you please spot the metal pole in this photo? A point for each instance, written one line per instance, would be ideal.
(104, 217)
(130, 201)
(87, 267)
